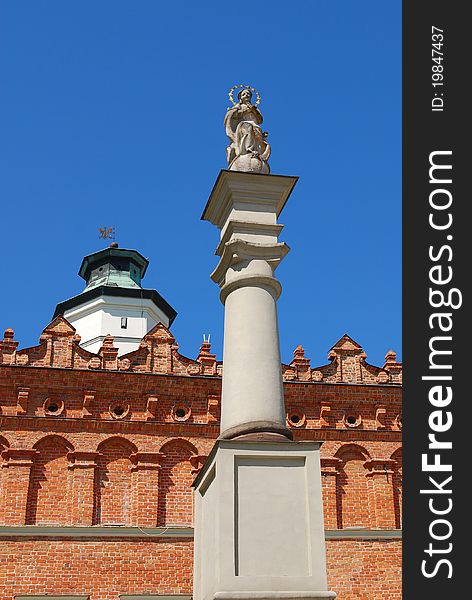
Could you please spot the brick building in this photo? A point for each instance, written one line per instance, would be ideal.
(99, 450)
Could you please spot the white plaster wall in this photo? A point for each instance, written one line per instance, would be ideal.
(102, 316)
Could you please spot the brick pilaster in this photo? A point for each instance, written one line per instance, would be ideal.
(380, 473)
(329, 473)
(16, 477)
(144, 488)
(83, 466)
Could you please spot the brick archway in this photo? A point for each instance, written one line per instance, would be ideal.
(175, 505)
(352, 490)
(113, 493)
(49, 491)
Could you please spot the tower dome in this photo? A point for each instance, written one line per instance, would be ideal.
(114, 302)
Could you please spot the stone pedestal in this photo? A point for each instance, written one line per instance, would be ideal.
(259, 523)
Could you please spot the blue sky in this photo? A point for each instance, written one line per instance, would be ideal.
(111, 113)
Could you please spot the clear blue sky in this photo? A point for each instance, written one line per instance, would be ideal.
(112, 113)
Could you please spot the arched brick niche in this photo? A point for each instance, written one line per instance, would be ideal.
(113, 487)
(49, 492)
(397, 486)
(352, 487)
(175, 506)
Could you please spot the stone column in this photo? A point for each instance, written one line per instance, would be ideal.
(259, 532)
(83, 467)
(245, 207)
(380, 473)
(144, 491)
(16, 477)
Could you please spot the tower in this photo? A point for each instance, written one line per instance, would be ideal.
(114, 302)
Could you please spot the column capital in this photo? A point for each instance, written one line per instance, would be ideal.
(243, 251)
(197, 461)
(18, 457)
(330, 465)
(146, 461)
(82, 460)
(379, 466)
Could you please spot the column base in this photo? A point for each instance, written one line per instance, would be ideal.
(256, 427)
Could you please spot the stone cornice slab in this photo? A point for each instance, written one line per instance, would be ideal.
(246, 188)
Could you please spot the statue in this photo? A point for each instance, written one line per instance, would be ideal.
(248, 150)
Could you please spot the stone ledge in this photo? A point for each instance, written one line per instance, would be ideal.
(185, 533)
(52, 597)
(155, 597)
(363, 534)
(39, 531)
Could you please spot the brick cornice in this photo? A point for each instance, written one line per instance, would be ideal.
(103, 372)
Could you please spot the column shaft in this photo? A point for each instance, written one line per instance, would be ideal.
(252, 381)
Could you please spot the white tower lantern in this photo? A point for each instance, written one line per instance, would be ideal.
(113, 301)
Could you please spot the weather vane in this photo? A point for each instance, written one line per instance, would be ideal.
(106, 233)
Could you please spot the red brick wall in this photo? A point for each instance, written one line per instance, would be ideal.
(365, 570)
(104, 569)
(357, 570)
(86, 467)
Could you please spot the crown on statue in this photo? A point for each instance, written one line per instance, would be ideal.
(242, 87)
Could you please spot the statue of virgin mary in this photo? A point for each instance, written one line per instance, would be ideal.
(248, 150)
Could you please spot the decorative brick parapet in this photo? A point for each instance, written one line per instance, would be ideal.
(158, 353)
(301, 365)
(8, 348)
(207, 359)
